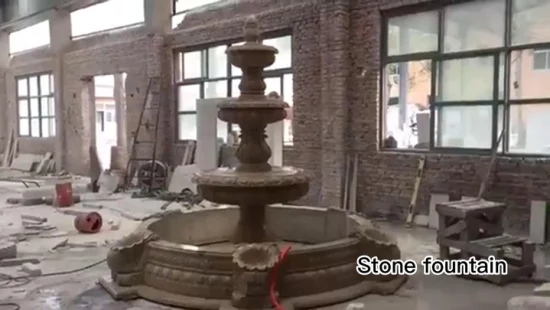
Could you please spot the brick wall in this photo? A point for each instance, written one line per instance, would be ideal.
(336, 107)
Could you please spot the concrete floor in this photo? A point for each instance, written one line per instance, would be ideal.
(79, 290)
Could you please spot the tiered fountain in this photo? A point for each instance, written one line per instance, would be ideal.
(226, 258)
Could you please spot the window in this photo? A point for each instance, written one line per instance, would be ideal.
(36, 106)
(541, 60)
(181, 7)
(207, 73)
(107, 16)
(29, 38)
(457, 76)
(100, 120)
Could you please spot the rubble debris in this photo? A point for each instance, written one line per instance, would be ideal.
(32, 270)
(54, 234)
(61, 244)
(114, 224)
(88, 244)
(8, 250)
(11, 262)
(356, 306)
(32, 218)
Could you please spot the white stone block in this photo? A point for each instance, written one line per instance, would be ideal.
(537, 223)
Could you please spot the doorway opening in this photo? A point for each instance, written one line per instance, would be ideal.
(110, 115)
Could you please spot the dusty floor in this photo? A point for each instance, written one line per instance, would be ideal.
(79, 290)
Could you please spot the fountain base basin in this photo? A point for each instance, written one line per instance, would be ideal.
(186, 260)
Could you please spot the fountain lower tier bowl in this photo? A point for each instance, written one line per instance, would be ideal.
(227, 186)
(185, 259)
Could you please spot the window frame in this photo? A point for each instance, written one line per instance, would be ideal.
(437, 57)
(229, 78)
(40, 97)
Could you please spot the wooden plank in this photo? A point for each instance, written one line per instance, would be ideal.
(453, 229)
(483, 185)
(7, 149)
(45, 160)
(353, 188)
(345, 202)
(499, 241)
(418, 178)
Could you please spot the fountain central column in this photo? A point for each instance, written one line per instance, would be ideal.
(254, 183)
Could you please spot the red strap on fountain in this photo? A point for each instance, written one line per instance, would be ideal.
(273, 287)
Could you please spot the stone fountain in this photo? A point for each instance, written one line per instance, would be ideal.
(224, 258)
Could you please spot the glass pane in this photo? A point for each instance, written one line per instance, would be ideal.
(45, 127)
(217, 62)
(222, 130)
(185, 5)
(288, 137)
(529, 74)
(35, 107)
(23, 126)
(414, 33)
(288, 92)
(235, 91)
(288, 89)
(187, 98)
(187, 127)
(44, 107)
(35, 127)
(52, 88)
(31, 37)
(51, 106)
(529, 127)
(465, 126)
(530, 23)
(51, 123)
(215, 89)
(177, 20)
(44, 84)
(33, 85)
(467, 79)
(192, 65)
(23, 108)
(22, 90)
(273, 84)
(407, 115)
(464, 31)
(284, 58)
(107, 15)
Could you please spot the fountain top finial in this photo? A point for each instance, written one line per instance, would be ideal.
(252, 30)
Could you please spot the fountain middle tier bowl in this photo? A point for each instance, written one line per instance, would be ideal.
(252, 109)
(228, 186)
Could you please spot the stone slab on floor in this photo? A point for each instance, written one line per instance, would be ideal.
(529, 303)
(542, 290)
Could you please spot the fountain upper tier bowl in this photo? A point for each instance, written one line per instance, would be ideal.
(229, 186)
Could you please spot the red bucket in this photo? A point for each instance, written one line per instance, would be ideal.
(64, 195)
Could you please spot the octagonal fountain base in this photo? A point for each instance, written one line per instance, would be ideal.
(186, 259)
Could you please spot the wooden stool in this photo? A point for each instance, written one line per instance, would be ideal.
(474, 227)
(466, 220)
